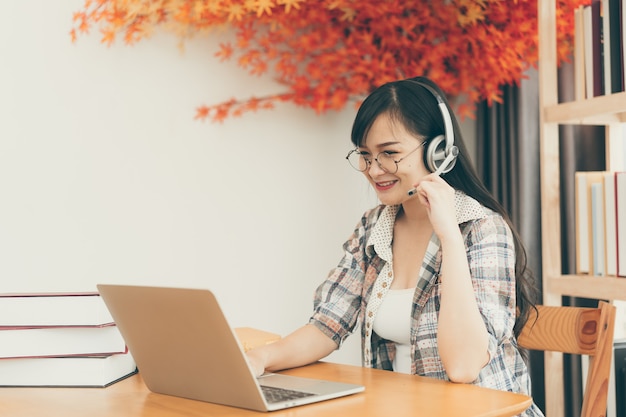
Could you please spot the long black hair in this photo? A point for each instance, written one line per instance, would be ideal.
(410, 103)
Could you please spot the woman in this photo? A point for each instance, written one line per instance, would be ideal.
(436, 274)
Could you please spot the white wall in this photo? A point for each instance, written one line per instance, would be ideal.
(106, 177)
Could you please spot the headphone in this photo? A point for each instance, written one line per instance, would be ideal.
(440, 154)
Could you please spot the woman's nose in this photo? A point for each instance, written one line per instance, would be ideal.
(375, 168)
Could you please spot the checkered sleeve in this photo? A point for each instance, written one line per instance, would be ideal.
(337, 301)
(491, 258)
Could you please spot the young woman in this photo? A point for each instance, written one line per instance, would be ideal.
(436, 274)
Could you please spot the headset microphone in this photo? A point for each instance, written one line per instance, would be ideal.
(440, 154)
(454, 151)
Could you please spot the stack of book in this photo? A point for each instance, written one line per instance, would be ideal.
(53, 339)
(600, 223)
(599, 48)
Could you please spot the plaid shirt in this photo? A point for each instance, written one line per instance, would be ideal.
(354, 290)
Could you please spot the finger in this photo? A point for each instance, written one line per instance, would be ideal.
(423, 197)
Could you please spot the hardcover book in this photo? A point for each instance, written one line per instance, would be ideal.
(597, 229)
(620, 207)
(53, 309)
(20, 342)
(616, 45)
(610, 217)
(590, 233)
(80, 371)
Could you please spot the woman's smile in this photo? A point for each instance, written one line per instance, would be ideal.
(385, 185)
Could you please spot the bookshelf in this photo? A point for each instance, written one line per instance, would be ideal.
(607, 110)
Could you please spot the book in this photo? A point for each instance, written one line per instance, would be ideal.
(80, 371)
(620, 209)
(589, 214)
(53, 309)
(579, 54)
(623, 32)
(610, 235)
(607, 39)
(594, 180)
(616, 45)
(588, 46)
(622, 24)
(19, 342)
(592, 33)
(596, 48)
(597, 229)
(582, 224)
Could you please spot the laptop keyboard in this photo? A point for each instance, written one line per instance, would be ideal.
(275, 395)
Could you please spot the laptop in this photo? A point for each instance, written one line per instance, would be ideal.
(183, 346)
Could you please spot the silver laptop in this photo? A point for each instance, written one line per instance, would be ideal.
(183, 346)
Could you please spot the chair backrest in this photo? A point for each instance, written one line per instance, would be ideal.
(581, 331)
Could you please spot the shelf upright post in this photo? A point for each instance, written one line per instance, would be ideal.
(550, 193)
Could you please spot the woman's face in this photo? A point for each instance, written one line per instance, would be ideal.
(391, 137)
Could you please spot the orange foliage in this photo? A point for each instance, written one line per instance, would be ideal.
(329, 52)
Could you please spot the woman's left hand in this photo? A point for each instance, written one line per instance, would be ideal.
(437, 196)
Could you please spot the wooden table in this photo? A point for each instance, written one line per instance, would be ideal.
(386, 394)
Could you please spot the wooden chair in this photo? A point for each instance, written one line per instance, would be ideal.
(581, 331)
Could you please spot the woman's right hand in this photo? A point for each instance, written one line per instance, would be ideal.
(257, 359)
(302, 347)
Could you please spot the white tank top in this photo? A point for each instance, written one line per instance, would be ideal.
(393, 322)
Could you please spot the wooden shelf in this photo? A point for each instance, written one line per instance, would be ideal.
(586, 286)
(608, 111)
(600, 110)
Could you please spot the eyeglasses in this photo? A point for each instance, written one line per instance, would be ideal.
(384, 160)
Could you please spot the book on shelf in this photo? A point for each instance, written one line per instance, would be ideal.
(610, 218)
(581, 208)
(596, 51)
(616, 39)
(622, 53)
(620, 209)
(579, 55)
(53, 309)
(588, 55)
(79, 371)
(19, 342)
(587, 248)
(600, 207)
(592, 32)
(597, 227)
(606, 46)
(599, 48)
